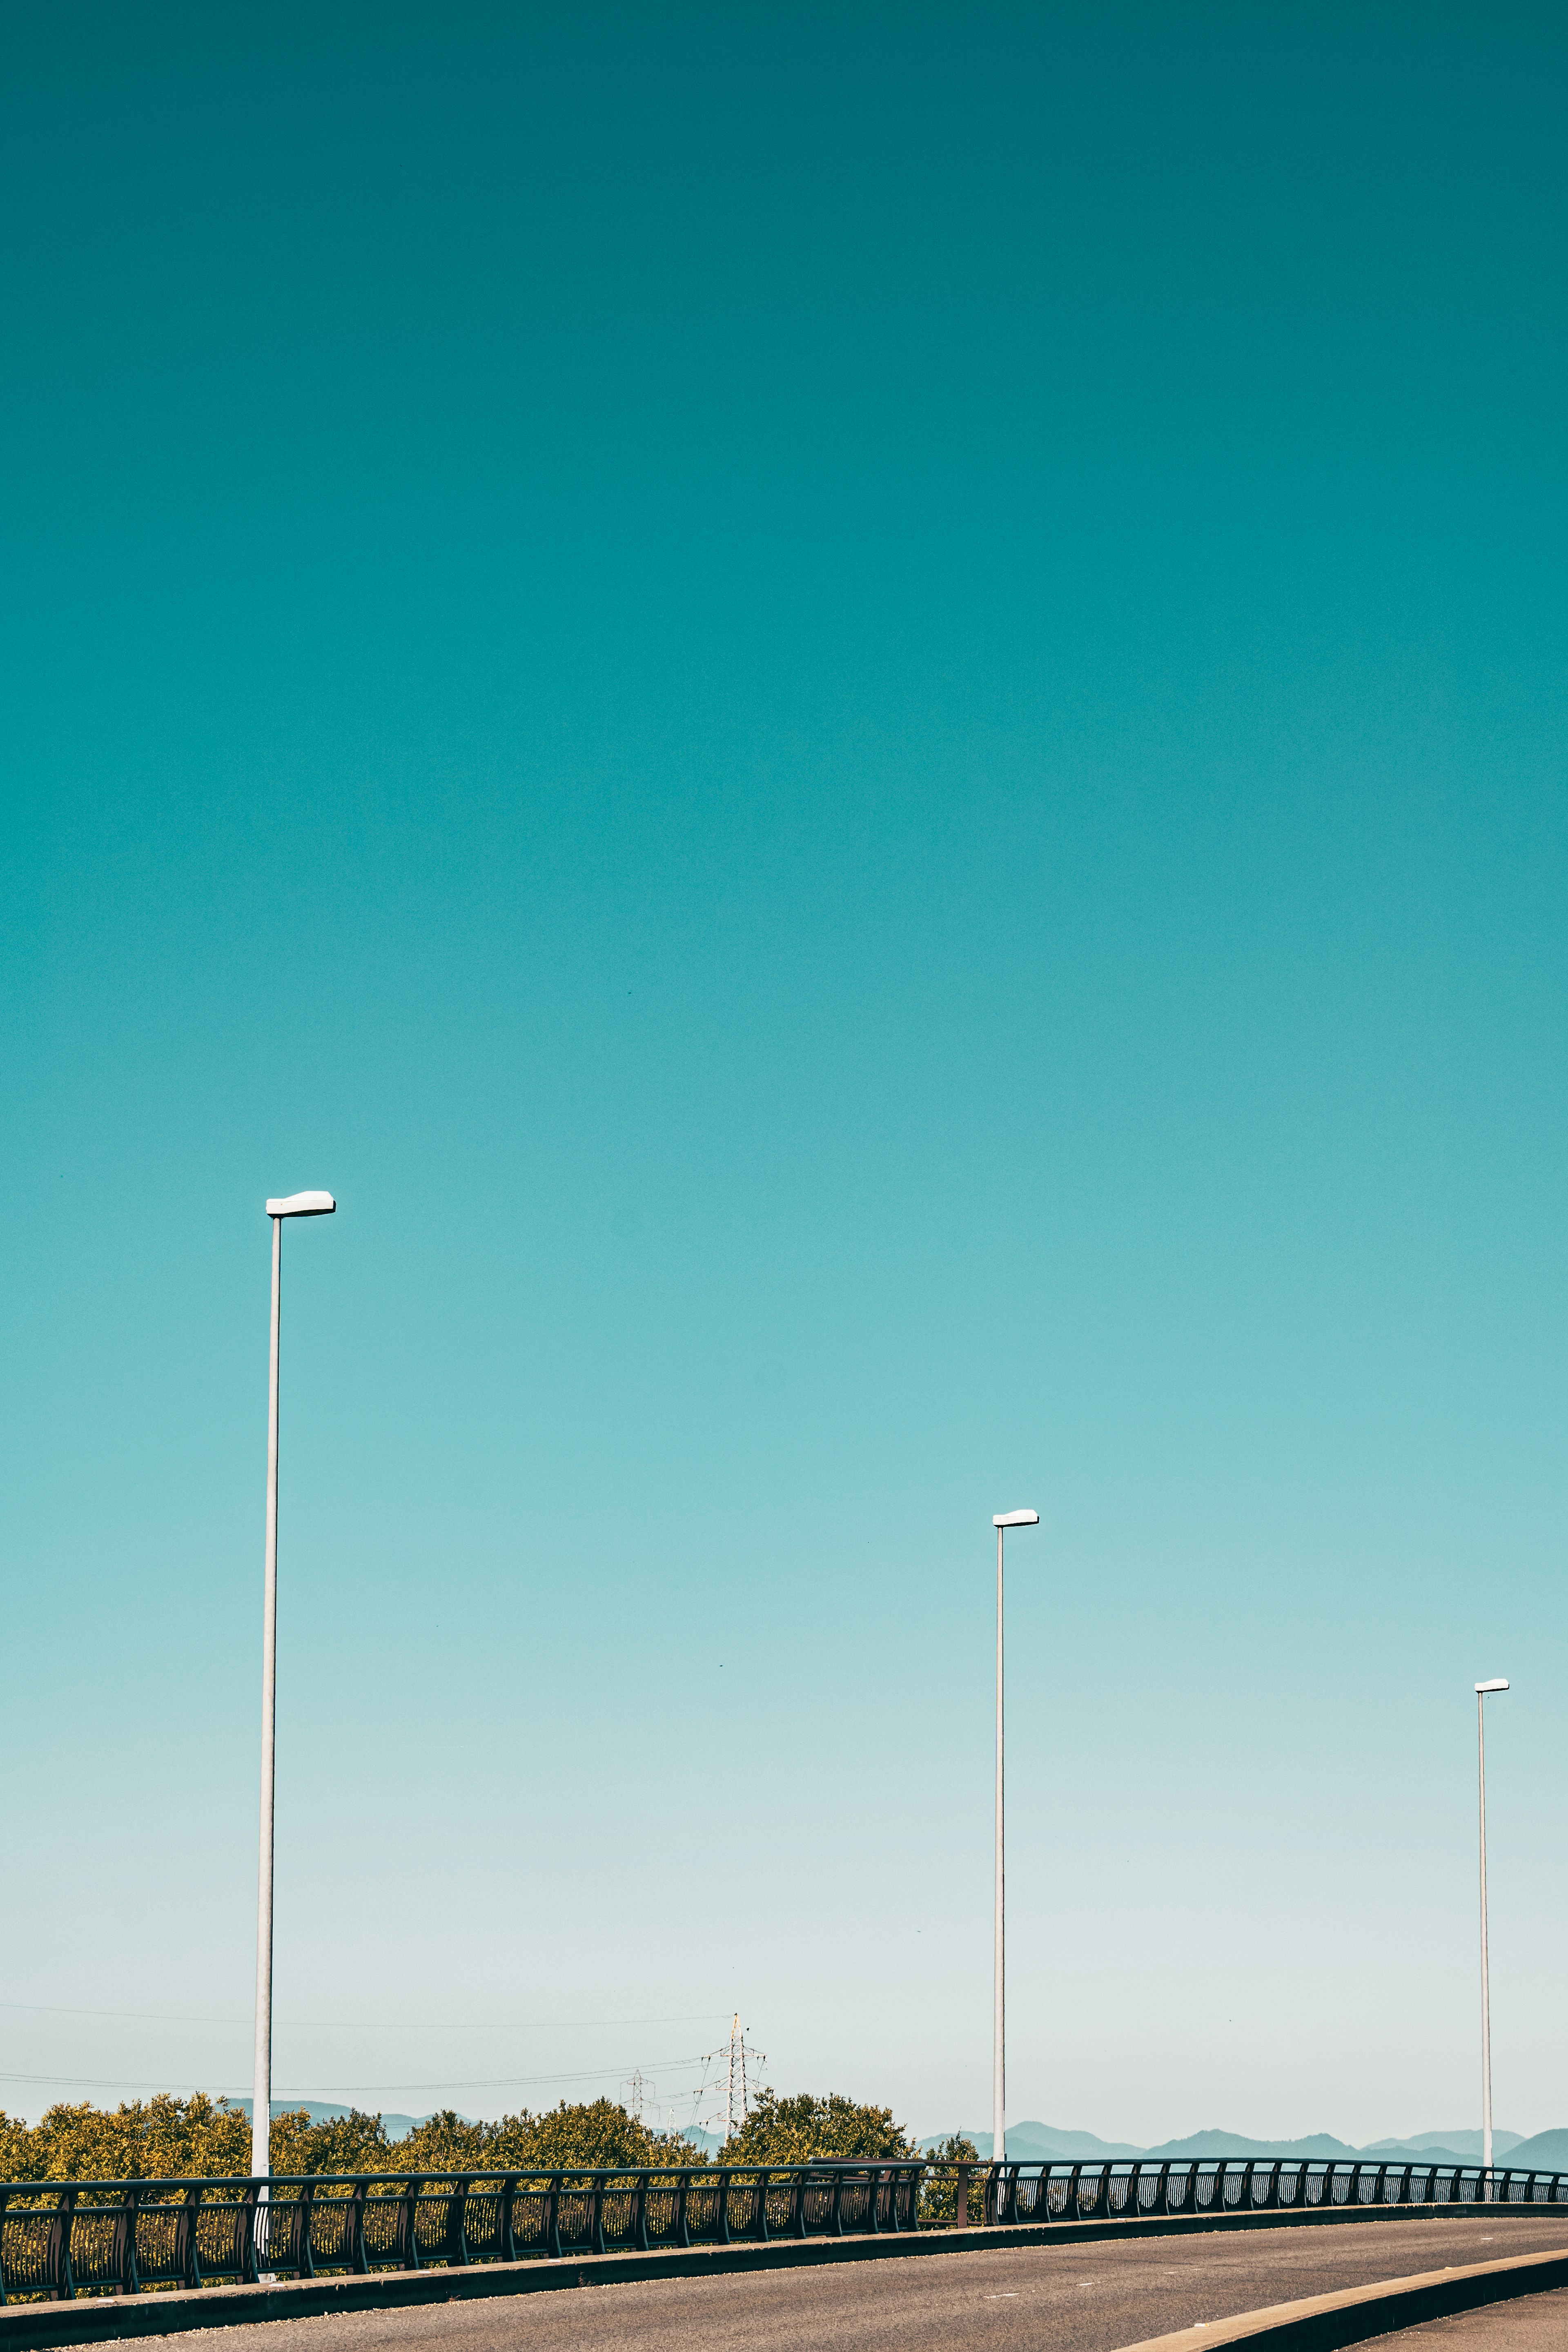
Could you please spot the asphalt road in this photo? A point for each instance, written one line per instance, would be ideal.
(1092, 2298)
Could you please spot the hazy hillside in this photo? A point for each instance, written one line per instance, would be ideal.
(1465, 2146)
(1038, 2143)
(1046, 2144)
(323, 2112)
(1547, 2152)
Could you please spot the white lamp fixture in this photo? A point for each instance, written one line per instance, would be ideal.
(303, 1204)
(1002, 1521)
(1483, 1691)
(297, 1204)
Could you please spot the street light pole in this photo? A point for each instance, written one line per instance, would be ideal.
(998, 1997)
(298, 1205)
(1482, 1692)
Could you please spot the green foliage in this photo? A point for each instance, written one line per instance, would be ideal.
(789, 2131)
(600, 2133)
(351, 2143)
(939, 2193)
(445, 2141)
(180, 2139)
(201, 2138)
(161, 2138)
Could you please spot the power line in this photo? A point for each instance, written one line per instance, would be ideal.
(362, 2025)
(362, 2090)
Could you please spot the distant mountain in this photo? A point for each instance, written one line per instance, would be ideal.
(1320, 2148)
(1046, 2144)
(1037, 2143)
(1546, 2152)
(323, 2112)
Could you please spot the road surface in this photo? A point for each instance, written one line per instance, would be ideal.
(1080, 2299)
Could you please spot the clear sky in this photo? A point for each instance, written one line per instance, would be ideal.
(858, 716)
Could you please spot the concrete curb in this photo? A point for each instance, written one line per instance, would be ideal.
(100, 2319)
(1321, 2323)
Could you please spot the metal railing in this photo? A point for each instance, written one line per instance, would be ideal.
(109, 2237)
(1130, 2191)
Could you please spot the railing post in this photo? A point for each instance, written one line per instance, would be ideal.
(797, 2200)
(409, 2219)
(457, 2223)
(122, 2254)
(598, 2194)
(553, 2217)
(682, 2231)
(507, 2244)
(354, 2227)
(640, 2214)
(58, 2271)
(304, 2217)
(762, 2180)
(188, 2254)
(245, 2222)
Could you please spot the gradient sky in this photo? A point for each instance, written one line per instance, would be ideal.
(858, 716)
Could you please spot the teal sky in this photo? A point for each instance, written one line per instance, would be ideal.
(858, 717)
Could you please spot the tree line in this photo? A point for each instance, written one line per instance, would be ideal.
(201, 2139)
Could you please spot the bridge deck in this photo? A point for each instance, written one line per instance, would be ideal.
(1068, 2298)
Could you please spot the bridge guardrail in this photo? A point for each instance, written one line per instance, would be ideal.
(1129, 2189)
(106, 2237)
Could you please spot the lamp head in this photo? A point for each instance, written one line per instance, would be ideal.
(1016, 1519)
(1482, 1688)
(303, 1204)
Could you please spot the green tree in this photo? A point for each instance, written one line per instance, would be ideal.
(351, 2143)
(940, 2194)
(162, 2138)
(447, 2142)
(595, 2133)
(201, 2139)
(790, 2131)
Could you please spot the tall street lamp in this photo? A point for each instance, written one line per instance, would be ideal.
(1002, 1522)
(298, 1204)
(1484, 1691)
